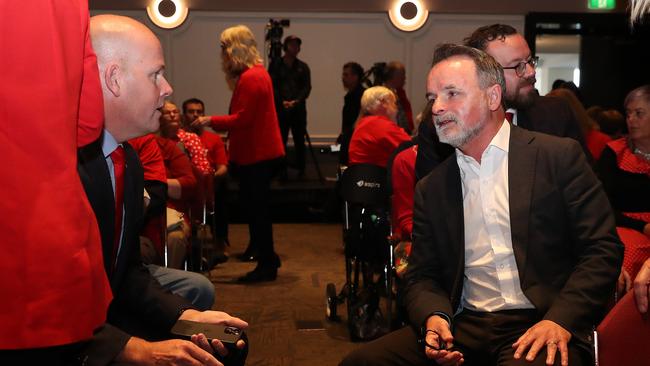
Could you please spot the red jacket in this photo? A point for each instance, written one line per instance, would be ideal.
(52, 281)
(252, 122)
(403, 181)
(374, 140)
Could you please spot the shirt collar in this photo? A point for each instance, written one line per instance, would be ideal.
(502, 139)
(109, 144)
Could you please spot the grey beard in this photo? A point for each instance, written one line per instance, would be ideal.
(462, 138)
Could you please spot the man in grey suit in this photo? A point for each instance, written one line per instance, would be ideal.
(515, 251)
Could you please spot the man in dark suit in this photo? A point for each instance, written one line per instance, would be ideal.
(131, 68)
(515, 251)
(525, 108)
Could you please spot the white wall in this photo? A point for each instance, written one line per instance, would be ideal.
(329, 40)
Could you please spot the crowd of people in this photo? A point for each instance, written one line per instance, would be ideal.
(517, 207)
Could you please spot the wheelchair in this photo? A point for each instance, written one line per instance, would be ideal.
(368, 254)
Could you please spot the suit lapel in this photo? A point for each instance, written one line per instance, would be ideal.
(97, 184)
(455, 221)
(522, 160)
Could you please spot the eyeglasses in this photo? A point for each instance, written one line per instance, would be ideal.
(520, 68)
(442, 345)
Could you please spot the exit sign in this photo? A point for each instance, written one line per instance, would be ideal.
(602, 4)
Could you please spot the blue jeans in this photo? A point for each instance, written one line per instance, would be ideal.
(194, 287)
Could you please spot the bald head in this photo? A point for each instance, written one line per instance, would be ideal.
(114, 36)
(131, 69)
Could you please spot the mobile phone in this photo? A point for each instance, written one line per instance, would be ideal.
(226, 334)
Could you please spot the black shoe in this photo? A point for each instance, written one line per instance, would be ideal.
(218, 258)
(261, 273)
(249, 255)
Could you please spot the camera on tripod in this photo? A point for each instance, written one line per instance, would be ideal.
(376, 75)
(274, 31)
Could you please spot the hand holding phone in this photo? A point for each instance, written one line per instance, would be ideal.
(226, 334)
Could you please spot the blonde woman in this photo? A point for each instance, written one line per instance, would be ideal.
(255, 143)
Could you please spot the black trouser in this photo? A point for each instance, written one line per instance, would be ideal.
(482, 338)
(254, 190)
(219, 219)
(295, 119)
(64, 355)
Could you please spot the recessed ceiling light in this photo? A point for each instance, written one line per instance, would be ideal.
(408, 15)
(167, 14)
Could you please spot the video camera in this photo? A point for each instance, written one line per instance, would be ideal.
(378, 72)
(274, 31)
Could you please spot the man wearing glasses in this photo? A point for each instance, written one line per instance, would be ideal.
(524, 107)
(515, 252)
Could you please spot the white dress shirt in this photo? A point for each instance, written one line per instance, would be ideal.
(491, 280)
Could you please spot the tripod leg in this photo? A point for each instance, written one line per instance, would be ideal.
(313, 156)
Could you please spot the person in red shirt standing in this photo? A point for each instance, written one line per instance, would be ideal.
(256, 147)
(376, 135)
(54, 289)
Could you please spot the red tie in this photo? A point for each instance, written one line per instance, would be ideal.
(509, 116)
(118, 169)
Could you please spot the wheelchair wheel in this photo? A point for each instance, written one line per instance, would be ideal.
(331, 302)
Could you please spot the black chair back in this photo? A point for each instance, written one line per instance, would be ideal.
(364, 184)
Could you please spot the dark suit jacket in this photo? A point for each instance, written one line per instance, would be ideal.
(553, 116)
(563, 236)
(140, 305)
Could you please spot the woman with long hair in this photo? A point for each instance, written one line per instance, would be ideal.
(256, 147)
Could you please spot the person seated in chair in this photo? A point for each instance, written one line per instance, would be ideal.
(218, 158)
(141, 314)
(515, 251)
(376, 135)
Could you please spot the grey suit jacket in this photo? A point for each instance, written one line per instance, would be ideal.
(563, 235)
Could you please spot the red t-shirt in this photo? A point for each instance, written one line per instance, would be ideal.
(150, 156)
(216, 148)
(374, 140)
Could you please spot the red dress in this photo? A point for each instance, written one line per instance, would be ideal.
(52, 280)
(637, 245)
(252, 122)
(374, 140)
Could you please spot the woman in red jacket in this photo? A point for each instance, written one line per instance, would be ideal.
(255, 143)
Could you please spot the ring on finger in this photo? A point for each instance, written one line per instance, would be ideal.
(549, 343)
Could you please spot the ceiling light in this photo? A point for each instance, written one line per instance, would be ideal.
(167, 14)
(408, 15)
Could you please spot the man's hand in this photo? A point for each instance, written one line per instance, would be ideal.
(642, 287)
(215, 317)
(436, 325)
(545, 333)
(624, 283)
(201, 121)
(172, 352)
(288, 104)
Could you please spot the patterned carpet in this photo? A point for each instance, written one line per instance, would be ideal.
(287, 316)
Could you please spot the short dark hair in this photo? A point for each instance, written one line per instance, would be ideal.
(356, 69)
(192, 101)
(488, 70)
(483, 35)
